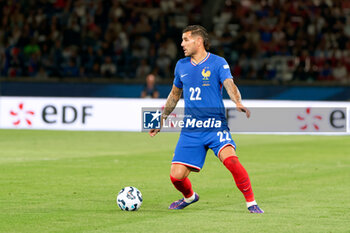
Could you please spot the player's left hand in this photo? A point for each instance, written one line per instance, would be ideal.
(241, 108)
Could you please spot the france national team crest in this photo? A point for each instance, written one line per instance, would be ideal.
(151, 119)
(206, 74)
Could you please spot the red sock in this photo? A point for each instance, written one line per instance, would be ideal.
(241, 177)
(183, 185)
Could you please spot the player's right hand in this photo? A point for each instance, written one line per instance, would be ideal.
(153, 132)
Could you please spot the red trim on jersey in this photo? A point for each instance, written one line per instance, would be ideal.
(187, 165)
(206, 58)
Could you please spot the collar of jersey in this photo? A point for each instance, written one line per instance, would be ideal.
(201, 62)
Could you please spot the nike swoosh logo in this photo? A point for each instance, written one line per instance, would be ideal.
(183, 75)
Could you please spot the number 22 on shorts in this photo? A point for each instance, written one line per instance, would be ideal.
(224, 136)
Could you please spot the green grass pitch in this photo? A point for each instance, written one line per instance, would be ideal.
(61, 181)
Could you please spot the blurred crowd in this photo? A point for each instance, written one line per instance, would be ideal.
(281, 40)
(92, 38)
(284, 40)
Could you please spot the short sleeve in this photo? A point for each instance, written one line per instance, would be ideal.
(177, 81)
(224, 70)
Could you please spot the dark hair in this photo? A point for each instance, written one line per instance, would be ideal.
(199, 31)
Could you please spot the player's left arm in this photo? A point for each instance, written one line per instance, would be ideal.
(235, 96)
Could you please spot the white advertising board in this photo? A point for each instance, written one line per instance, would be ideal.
(119, 114)
(72, 113)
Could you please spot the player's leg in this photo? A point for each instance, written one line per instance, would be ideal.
(189, 156)
(229, 158)
(179, 177)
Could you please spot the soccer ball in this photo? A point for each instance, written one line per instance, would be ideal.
(129, 199)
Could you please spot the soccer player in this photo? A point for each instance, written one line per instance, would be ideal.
(200, 76)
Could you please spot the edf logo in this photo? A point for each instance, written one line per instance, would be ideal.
(151, 119)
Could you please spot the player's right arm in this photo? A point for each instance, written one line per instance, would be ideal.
(171, 102)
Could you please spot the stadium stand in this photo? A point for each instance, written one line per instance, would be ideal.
(272, 41)
(286, 40)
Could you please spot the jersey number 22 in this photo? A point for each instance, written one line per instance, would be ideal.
(195, 93)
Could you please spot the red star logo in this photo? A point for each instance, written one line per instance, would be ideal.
(22, 115)
(307, 117)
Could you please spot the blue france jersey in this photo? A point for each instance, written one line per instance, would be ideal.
(202, 85)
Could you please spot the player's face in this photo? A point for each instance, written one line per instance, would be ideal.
(189, 44)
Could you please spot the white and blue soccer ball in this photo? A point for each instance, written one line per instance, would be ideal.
(129, 199)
